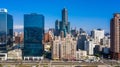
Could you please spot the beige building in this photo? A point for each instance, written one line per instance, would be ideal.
(15, 54)
(64, 48)
(56, 48)
(81, 54)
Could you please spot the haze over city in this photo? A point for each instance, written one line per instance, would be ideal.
(86, 14)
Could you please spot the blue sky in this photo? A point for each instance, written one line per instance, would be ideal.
(86, 14)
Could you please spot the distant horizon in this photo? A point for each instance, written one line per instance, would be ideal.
(87, 14)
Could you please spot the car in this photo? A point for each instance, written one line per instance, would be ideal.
(80, 61)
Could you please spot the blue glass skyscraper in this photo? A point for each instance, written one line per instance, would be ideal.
(57, 28)
(33, 35)
(6, 31)
(65, 23)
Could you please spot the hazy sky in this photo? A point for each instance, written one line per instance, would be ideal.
(86, 14)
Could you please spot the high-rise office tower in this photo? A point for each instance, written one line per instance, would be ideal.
(64, 25)
(115, 36)
(6, 30)
(65, 16)
(33, 35)
(57, 27)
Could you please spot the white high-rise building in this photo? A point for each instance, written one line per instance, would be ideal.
(97, 34)
(106, 41)
(89, 46)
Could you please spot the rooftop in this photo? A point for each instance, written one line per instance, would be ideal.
(3, 10)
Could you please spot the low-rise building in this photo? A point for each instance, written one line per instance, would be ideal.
(81, 54)
(15, 54)
(3, 56)
(47, 47)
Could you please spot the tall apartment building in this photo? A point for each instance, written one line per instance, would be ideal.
(97, 34)
(56, 48)
(64, 48)
(115, 36)
(89, 46)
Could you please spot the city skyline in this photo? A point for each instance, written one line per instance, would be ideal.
(83, 14)
(75, 32)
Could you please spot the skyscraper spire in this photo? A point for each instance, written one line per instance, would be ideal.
(63, 26)
(65, 16)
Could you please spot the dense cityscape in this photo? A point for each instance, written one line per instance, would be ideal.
(60, 46)
(57, 44)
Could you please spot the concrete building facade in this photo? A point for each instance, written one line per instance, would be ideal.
(115, 36)
(89, 46)
(64, 48)
(97, 34)
(81, 54)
